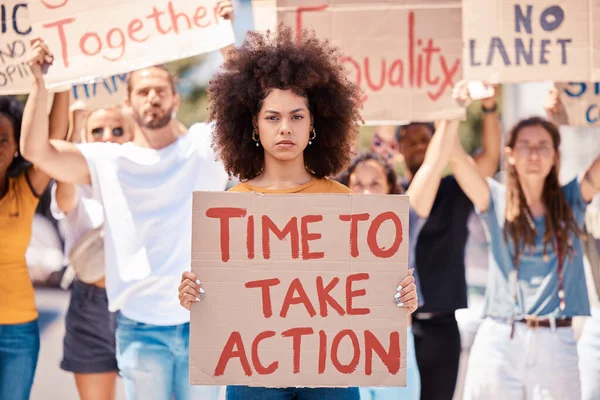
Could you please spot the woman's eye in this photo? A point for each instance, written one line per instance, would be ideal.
(297, 117)
(271, 118)
(97, 131)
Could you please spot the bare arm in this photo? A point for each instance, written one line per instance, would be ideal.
(67, 196)
(57, 158)
(469, 178)
(424, 186)
(590, 184)
(225, 10)
(491, 138)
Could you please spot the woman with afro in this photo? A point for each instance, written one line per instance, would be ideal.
(286, 118)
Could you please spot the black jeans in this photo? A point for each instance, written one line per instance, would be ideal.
(437, 346)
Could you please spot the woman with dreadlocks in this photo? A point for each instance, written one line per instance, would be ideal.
(525, 348)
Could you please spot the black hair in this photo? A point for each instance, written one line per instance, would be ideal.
(390, 174)
(12, 109)
(399, 136)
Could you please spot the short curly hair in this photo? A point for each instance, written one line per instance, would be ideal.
(310, 68)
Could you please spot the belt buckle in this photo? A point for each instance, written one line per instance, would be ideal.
(533, 322)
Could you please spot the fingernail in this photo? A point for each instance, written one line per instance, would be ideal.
(400, 304)
(201, 290)
(397, 296)
(202, 295)
(197, 299)
(197, 281)
(399, 288)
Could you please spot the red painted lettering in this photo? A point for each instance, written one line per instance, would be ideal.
(307, 236)
(396, 74)
(156, 15)
(258, 366)
(290, 229)
(265, 286)
(234, 348)
(325, 298)
(411, 47)
(351, 366)
(296, 334)
(372, 235)
(299, 12)
(322, 351)
(51, 6)
(224, 214)
(83, 41)
(290, 299)
(175, 17)
(351, 294)
(354, 220)
(390, 358)
(61, 36)
(429, 50)
(448, 75)
(134, 27)
(121, 44)
(250, 237)
(372, 86)
(199, 16)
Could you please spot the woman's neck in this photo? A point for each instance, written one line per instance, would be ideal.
(533, 190)
(282, 175)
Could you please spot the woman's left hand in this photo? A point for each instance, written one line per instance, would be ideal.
(406, 293)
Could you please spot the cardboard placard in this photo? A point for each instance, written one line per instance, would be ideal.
(405, 55)
(92, 39)
(525, 41)
(108, 92)
(299, 290)
(581, 101)
(15, 76)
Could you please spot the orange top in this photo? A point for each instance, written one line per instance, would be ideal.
(315, 185)
(17, 208)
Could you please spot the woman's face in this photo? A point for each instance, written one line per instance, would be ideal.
(284, 125)
(8, 144)
(533, 155)
(108, 126)
(369, 178)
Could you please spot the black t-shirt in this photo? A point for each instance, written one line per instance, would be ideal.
(441, 250)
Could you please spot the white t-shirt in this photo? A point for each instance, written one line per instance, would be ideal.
(87, 215)
(147, 199)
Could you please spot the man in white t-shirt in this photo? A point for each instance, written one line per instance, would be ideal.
(146, 189)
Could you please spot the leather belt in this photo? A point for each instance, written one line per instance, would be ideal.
(534, 322)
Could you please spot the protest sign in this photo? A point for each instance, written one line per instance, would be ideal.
(581, 101)
(299, 290)
(15, 76)
(522, 41)
(108, 92)
(92, 39)
(405, 55)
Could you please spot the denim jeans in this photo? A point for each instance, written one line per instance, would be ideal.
(589, 358)
(412, 391)
(262, 393)
(154, 362)
(19, 349)
(538, 363)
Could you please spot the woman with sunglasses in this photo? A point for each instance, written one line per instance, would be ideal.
(525, 348)
(21, 185)
(89, 343)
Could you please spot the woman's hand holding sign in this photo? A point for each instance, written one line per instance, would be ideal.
(39, 59)
(190, 290)
(406, 293)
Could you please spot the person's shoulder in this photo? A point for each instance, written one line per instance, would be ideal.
(239, 188)
(327, 185)
(104, 150)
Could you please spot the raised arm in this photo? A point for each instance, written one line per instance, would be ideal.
(491, 138)
(469, 177)
(225, 10)
(58, 158)
(590, 184)
(425, 184)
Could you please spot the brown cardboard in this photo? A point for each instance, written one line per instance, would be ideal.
(93, 39)
(15, 76)
(497, 34)
(230, 306)
(398, 51)
(581, 101)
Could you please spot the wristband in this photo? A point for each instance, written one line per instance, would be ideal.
(486, 110)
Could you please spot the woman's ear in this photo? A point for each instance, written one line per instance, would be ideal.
(509, 155)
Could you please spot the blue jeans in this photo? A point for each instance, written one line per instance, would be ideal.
(154, 362)
(19, 349)
(412, 391)
(262, 393)
(589, 358)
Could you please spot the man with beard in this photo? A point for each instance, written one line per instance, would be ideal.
(146, 189)
(440, 250)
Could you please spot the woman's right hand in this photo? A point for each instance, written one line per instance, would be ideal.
(190, 290)
(39, 58)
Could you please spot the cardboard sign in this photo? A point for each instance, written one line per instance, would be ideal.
(405, 55)
(108, 92)
(523, 41)
(299, 290)
(581, 101)
(15, 76)
(92, 39)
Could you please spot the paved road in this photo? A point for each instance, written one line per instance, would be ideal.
(51, 382)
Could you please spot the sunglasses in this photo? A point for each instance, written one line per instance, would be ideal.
(116, 132)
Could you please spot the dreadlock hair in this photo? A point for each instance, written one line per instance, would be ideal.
(559, 221)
